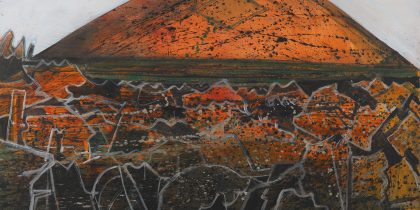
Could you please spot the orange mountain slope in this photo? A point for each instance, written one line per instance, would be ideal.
(290, 30)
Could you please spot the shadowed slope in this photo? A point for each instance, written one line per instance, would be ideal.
(291, 30)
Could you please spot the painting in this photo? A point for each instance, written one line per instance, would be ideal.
(209, 105)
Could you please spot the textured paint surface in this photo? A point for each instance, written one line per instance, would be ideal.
(290, 30)
(394, 22)
(332, 125)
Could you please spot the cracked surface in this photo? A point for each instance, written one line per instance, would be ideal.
(139, 145)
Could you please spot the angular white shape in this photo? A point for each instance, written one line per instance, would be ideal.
(395, 22)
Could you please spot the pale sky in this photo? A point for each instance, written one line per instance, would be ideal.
(395, 22)
(45, 22)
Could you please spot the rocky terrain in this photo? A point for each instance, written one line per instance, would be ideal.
(70, 140)
(348, 145)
